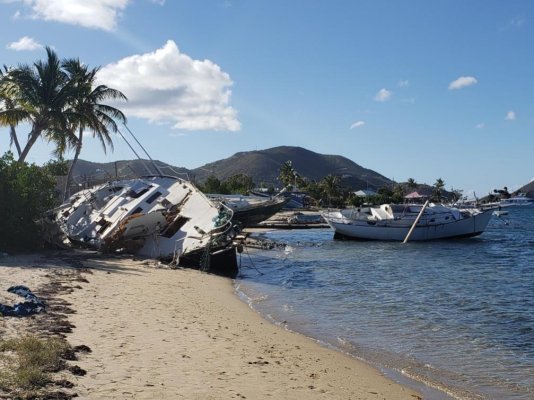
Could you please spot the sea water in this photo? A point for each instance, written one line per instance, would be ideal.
(456, 315)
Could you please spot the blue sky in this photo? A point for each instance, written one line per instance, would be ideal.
(420, 89)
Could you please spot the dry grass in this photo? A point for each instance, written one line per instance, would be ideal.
(27, 363)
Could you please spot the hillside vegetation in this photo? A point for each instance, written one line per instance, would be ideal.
(263, 166)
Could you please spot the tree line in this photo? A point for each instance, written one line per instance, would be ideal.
(327, 192)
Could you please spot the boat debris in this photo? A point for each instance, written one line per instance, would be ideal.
(251, 210)
(158, 217)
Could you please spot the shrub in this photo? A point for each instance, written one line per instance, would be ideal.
(26, 192)
(28, 362)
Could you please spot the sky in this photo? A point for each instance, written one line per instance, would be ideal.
(411, 89)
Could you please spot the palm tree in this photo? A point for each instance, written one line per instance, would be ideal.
(438, 187)
(40, 95)
(87, 112)
(412, 184)
(331, 186)
(7, 103)
(287, 174)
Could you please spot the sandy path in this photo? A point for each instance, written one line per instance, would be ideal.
(172, 334)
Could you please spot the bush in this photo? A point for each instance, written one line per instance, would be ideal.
(28, 363)
(26, 192)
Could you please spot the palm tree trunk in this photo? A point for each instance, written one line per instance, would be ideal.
(14, 139)
(34, 135)
(66, 191)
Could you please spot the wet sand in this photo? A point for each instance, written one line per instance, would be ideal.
(157, 333)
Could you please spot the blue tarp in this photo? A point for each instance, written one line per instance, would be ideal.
(31, 304)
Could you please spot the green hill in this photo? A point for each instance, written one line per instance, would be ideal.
(528, 189)
(92, 172)
(262, 165)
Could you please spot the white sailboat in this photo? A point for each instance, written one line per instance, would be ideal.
(394, 221)
(158, 216)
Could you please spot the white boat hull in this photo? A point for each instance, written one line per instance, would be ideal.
(157, 217)
(397, 229)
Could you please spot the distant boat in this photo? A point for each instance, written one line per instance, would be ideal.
(393, 222)
(519, 200)
(157, 217)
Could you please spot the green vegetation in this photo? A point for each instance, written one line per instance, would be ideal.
(330, 191)
(27, 364)
(88, 111)
(60, 100)
(437, 193)
(26, 191)
(236, 184)
(412, 184)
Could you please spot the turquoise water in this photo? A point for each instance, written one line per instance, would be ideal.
(456, 315)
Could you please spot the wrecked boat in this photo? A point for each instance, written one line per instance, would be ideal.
(159, 217)
(251, 210)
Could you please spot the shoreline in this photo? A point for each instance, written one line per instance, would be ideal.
(163, 333)
(425, 389)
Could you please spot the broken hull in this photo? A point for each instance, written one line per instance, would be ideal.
(221, 262)
(156, 217)
(256, 213)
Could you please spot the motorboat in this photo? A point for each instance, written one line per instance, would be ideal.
(155, 216)
(393, 222)
(519, 200)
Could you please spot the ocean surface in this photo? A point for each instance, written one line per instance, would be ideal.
(456, 315)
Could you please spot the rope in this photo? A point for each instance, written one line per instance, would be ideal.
(205, 258)
(251, 262)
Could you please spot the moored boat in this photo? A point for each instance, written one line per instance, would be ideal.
(393, 222)
(519, 200)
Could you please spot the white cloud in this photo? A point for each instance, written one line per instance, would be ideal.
(159, 2)
(25, 44)
(96, 14)
(167, 86)
(403, 83)
(357, 124)
(462, 82)
(517, 22)
(482, 125)
(383, 95)
(510, 116)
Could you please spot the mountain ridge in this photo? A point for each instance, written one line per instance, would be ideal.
(262, 166)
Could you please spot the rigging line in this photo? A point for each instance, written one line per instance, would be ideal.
(131, 148)
(251, 262)
(146, 152)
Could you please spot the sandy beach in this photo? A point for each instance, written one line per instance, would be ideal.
(157, 333)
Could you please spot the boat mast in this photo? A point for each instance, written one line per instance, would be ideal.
(135, 152)
(148, 155)
(415, 222)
